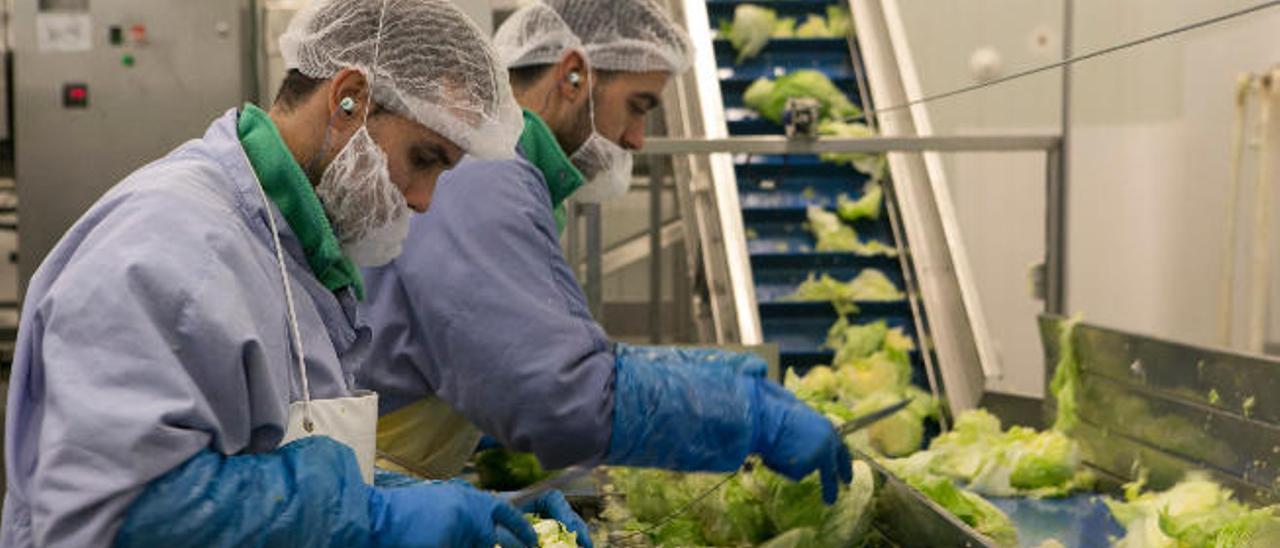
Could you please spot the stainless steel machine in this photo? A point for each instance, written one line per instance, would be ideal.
(102, 87)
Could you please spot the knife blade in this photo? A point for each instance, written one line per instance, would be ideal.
(868, 420)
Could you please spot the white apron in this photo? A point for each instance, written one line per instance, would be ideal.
(351, 421)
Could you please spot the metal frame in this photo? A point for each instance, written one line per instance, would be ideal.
(777, 144)
(1050, 145)
(1169, 407)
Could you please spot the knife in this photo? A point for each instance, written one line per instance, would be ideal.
(532, 492)
(868, 420)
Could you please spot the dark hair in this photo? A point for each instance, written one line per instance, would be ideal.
(296, 89)
(523, 77)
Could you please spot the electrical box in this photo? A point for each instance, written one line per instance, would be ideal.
(103, 87)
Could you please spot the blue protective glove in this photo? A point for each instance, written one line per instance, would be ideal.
(307, 493)
(451, 513)
(552, 505)
(743, 363)
(710, 419)
(387, 479)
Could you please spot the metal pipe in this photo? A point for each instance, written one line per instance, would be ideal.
(775, 144)
(1057, 278)
(1054, 233)
(656, 176)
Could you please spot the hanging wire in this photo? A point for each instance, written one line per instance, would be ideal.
(1072, 60)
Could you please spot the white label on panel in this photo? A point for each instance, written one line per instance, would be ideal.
(63, 32)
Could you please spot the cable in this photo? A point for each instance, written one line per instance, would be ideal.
(1083, 57)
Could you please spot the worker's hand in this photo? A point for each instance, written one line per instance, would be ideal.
(552, 505)
(795, 441)
(446, 514)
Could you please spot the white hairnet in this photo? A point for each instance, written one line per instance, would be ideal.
(427, 60)
(617, 35)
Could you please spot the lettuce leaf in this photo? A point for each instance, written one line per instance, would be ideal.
(769, 98)
(866, 207)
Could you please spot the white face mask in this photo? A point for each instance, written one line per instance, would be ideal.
(369, 213)
(605, 164)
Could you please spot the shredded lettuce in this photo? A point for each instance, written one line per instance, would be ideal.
(751, 508)
(1016, 462)
(868, 163)
(551, 533)
(1066, 379)
(750, 31)
(504, 470)
(871, 285)
(830, 234)
(769, 98)
(866, 207)
(1195, 512)
(814, 26)
(838, 21)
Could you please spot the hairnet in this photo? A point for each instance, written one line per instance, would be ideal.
(618, 35)
(426, 59)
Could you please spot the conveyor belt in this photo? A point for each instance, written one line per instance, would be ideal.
(775, 190)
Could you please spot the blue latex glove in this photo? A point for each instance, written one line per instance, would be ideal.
(553, 506)
(307, 493)
(710, 419)
(450, 513)
(387, 479)
(743, 363)
(488, 442)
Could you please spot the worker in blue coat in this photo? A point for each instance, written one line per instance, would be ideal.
(185, 359)
(481, 322)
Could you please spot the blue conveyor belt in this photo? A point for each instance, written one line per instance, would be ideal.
(775, 190)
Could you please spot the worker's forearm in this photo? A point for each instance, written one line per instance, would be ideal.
(307, 493)
(681, 417)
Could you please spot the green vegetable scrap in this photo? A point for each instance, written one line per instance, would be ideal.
(503, 470)
(769, 97)
(869, 286)
(784, 28)
(755, 507)
(971, 508)
(750, 30)
(868, 163)
(866, 207)
(838, 21)
(551, 533)
(831, 234)
(1016, 462)
(1195, 512)
(814, 27)
(1066, 379)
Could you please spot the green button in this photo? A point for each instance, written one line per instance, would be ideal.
(127, 60)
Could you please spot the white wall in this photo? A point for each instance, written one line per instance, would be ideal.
(1148, 166)
(999, 198)
(1150, 163)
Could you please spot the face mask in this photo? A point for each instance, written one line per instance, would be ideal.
(368, 212)
(605, 164)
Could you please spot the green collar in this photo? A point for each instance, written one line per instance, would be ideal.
(288, 186)
(543, 151)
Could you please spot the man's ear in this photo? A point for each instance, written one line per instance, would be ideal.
(571, 75)
(348, 98)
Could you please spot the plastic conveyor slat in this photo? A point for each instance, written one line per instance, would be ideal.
(776, 190)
